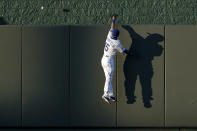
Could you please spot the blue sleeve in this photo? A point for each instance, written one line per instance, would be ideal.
(126, 51)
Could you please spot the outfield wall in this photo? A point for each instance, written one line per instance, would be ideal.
(51, 76)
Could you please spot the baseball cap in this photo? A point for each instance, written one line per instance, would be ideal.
(115, 33)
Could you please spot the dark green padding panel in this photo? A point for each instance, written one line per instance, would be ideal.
(45, 73)
(40, 129)
(10, 76)
(188, 129)
(141, 77)
(85, 129)
(126, 129)
(87, 78)
(181, 98)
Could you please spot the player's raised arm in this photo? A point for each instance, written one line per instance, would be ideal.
(114, 18)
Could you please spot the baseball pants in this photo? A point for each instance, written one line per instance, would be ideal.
(108, 67)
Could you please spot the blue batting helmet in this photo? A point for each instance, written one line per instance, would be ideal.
(115, 33)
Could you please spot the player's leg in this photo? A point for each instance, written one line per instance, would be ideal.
(108, 90)
(111, 72)
(105, 96)
(108, 67)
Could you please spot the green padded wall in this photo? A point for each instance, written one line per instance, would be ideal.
(127, 129)
(39, 129)
(49, 100)
(10, 76)
(87, 78)
(88, 129)
(181, 98)
(140, 78)
(45, 72)
(188, 129)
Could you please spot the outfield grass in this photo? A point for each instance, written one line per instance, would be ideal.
(88, 12)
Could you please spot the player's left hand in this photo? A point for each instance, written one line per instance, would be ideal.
(114, 16)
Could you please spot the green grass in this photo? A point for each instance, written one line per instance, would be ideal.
(88, 12)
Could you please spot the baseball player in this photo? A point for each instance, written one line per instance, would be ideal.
(112, 45)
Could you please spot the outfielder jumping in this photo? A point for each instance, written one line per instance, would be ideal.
(112, 45)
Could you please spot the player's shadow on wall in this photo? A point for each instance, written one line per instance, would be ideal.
(144, 50)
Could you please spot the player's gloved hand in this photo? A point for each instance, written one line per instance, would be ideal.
(114, 16)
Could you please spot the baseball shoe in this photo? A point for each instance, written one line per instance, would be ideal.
(113, 99)
(106, 99)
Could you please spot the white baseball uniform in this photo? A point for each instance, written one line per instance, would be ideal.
(107, 62)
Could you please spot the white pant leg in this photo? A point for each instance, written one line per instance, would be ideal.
(108, 67)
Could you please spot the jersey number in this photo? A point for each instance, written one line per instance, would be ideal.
(107, 46)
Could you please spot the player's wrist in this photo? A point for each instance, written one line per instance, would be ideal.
(113, 20)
